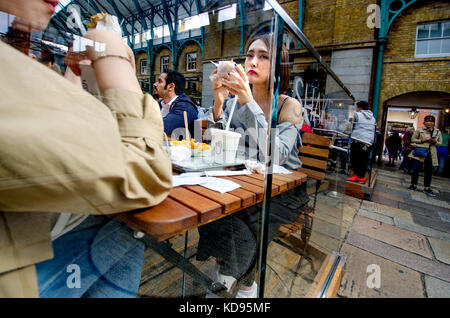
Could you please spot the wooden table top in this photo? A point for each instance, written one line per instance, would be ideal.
(188, 207)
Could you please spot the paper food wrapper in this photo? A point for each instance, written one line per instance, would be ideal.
(100, 21)
(259, 167)
(89, 81)
(104, 21)
(224, 68)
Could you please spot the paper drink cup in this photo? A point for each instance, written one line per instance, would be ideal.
(224, 145)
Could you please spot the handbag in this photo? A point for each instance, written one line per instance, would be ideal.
(421, 152)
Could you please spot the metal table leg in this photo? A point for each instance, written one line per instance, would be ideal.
(166, 251)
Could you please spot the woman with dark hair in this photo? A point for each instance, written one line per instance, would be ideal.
(394, 145)
(233, 240)
(406, 164)
(424, 142)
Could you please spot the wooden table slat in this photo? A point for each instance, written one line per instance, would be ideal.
(205, 207)
(229, 202)
(301, 177)
(188, 207)
(290, 180)
(258, 182)
(167, 217)
(248, 198)
(282, 185)
(257, 190)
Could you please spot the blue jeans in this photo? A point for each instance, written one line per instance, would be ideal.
(441, 164)
(98, 258)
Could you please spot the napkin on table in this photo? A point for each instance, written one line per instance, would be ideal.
(215, 184)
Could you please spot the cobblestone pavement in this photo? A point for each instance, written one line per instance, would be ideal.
(397, 244)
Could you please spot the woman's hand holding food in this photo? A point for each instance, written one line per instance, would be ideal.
(237, 84)
(114, 66)
(220, 93)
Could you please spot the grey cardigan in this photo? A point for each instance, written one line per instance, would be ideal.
(364, 126)
(249, 120)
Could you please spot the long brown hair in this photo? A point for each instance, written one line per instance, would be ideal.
(285, 71)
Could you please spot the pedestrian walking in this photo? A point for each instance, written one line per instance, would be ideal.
(394, 146)
(424, 141)
(406, 164)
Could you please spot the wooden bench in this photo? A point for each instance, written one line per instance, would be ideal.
(313, 154)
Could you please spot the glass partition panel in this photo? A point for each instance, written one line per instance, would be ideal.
(305, 223)
(252, 76)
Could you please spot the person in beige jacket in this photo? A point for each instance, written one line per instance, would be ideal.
(66, 155)
(427, 137)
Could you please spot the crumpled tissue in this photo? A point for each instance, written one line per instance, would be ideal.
(259, 167)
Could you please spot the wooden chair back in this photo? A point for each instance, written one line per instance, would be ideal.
(314, 155)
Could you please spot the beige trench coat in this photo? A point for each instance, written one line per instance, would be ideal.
(62, 150)
(417, 141)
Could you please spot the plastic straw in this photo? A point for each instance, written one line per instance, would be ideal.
(231, 113)
(186, 126)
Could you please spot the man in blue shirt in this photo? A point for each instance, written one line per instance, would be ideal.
(173, 103)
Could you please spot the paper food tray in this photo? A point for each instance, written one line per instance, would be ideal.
(200, 164)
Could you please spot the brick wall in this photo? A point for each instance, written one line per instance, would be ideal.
(335, 22)
(157, 63)
(402, 72)
(141, 56)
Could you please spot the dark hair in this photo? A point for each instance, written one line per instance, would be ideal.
(429, 117)
(177, 78)
(285, 71)
(363, 105)
(47, 55)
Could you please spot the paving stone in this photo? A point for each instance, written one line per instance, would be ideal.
(325, 208)
(400, 193)
(441, 249)
(390, 195)
(404, 239)
(425, 205)
(323, 226)
(395, 280)
(349, 214)
(422, 209)
(376, 216)
(444, 216)
(388, 175)
(395, 187)
(443, 195)
(389, 181)
(353, 202)
(436, 288)
(376, 197)
(422, 230)
(387, 210)
(434, 223)
(402, 257)
(325, 241)
(323, 199)
(420, 196)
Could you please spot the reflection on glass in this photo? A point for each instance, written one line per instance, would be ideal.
(423, 31)
(421, 47)
(434, 47)
(436, 30)
(310, 150)
(228, 13)
(446, 31)
(446, 46)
